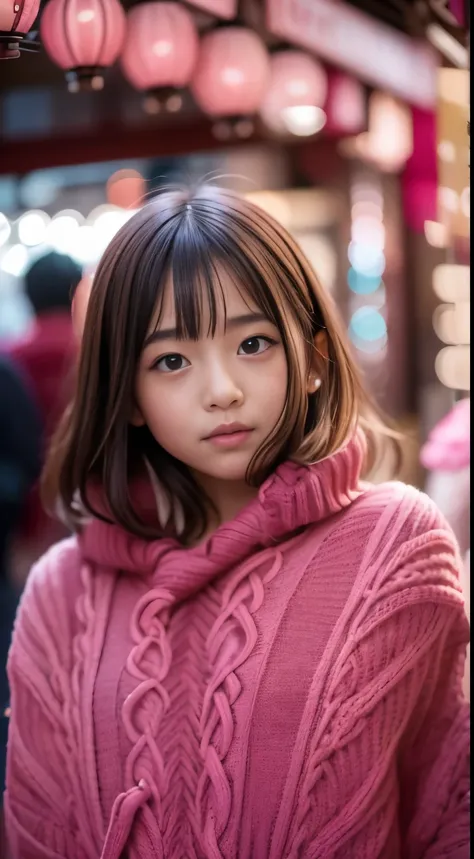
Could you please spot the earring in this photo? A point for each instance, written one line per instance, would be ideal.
(316, 383)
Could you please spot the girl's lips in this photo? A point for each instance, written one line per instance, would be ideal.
(230, 439)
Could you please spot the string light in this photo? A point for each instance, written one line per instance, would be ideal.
(452, 367)
(451, 322)
(436, 234)
(366, 254)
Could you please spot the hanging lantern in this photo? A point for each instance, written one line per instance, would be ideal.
(160, 52)
(16, 19)
(346, 106)
(231, 79)
(296, 95)
(83, 37)
(389, 141)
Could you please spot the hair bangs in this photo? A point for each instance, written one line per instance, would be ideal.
(199, 256)
(193, 277)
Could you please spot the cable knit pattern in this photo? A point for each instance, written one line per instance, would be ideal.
(361, 683)
(290, 689)
(239, 603)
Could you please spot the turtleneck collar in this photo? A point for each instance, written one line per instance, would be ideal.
(293, 497)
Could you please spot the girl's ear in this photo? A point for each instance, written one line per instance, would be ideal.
(321, 347)
(317, 372)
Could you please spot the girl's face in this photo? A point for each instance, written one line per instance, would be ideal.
(211, 403)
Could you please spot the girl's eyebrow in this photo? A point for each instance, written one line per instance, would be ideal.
(235, 322)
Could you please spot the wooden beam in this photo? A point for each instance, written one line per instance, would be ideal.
(111, 143)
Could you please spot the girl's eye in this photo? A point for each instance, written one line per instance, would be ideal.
(255, 345)
(171, 363)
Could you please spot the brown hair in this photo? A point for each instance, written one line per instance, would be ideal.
(190, 235)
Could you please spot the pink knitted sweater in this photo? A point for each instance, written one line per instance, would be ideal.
(290, 688)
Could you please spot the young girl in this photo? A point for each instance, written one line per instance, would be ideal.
(245, 652)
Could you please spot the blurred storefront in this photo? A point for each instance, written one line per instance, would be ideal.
(437, 192)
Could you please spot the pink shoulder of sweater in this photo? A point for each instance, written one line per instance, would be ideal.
(404, 507)
(48, 602)
(58, 570)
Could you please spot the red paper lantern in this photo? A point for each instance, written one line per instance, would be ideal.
(160, 52)
(231, 77)
(296, 94)
(83, 37)
(16, 19)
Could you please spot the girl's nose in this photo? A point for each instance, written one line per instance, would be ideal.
(221, 390)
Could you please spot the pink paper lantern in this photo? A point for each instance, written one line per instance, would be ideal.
(83, 37)
(232, 75)
(16, 19)
(160, 52)
(298, 88)
(346, 106)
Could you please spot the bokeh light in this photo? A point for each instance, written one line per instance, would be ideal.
(367, 259)
(5, 229)
(62, 231)
(32, 228)
(368, 324)
(126, 189)
(362, 284)
(15, 260)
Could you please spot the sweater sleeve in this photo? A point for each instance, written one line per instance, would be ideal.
(39, 782)
(425, 632)
(388, 765)
(435, 751)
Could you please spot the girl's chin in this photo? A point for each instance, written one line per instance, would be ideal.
(234, 470)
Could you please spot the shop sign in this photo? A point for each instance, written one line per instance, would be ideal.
(220, 8)
(350, 39)
(454, 206)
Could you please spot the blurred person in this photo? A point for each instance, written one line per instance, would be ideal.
(20, 462)
(447, 458)
(46, 355)
(246, 649)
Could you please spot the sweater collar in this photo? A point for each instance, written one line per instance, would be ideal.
(293, 497)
